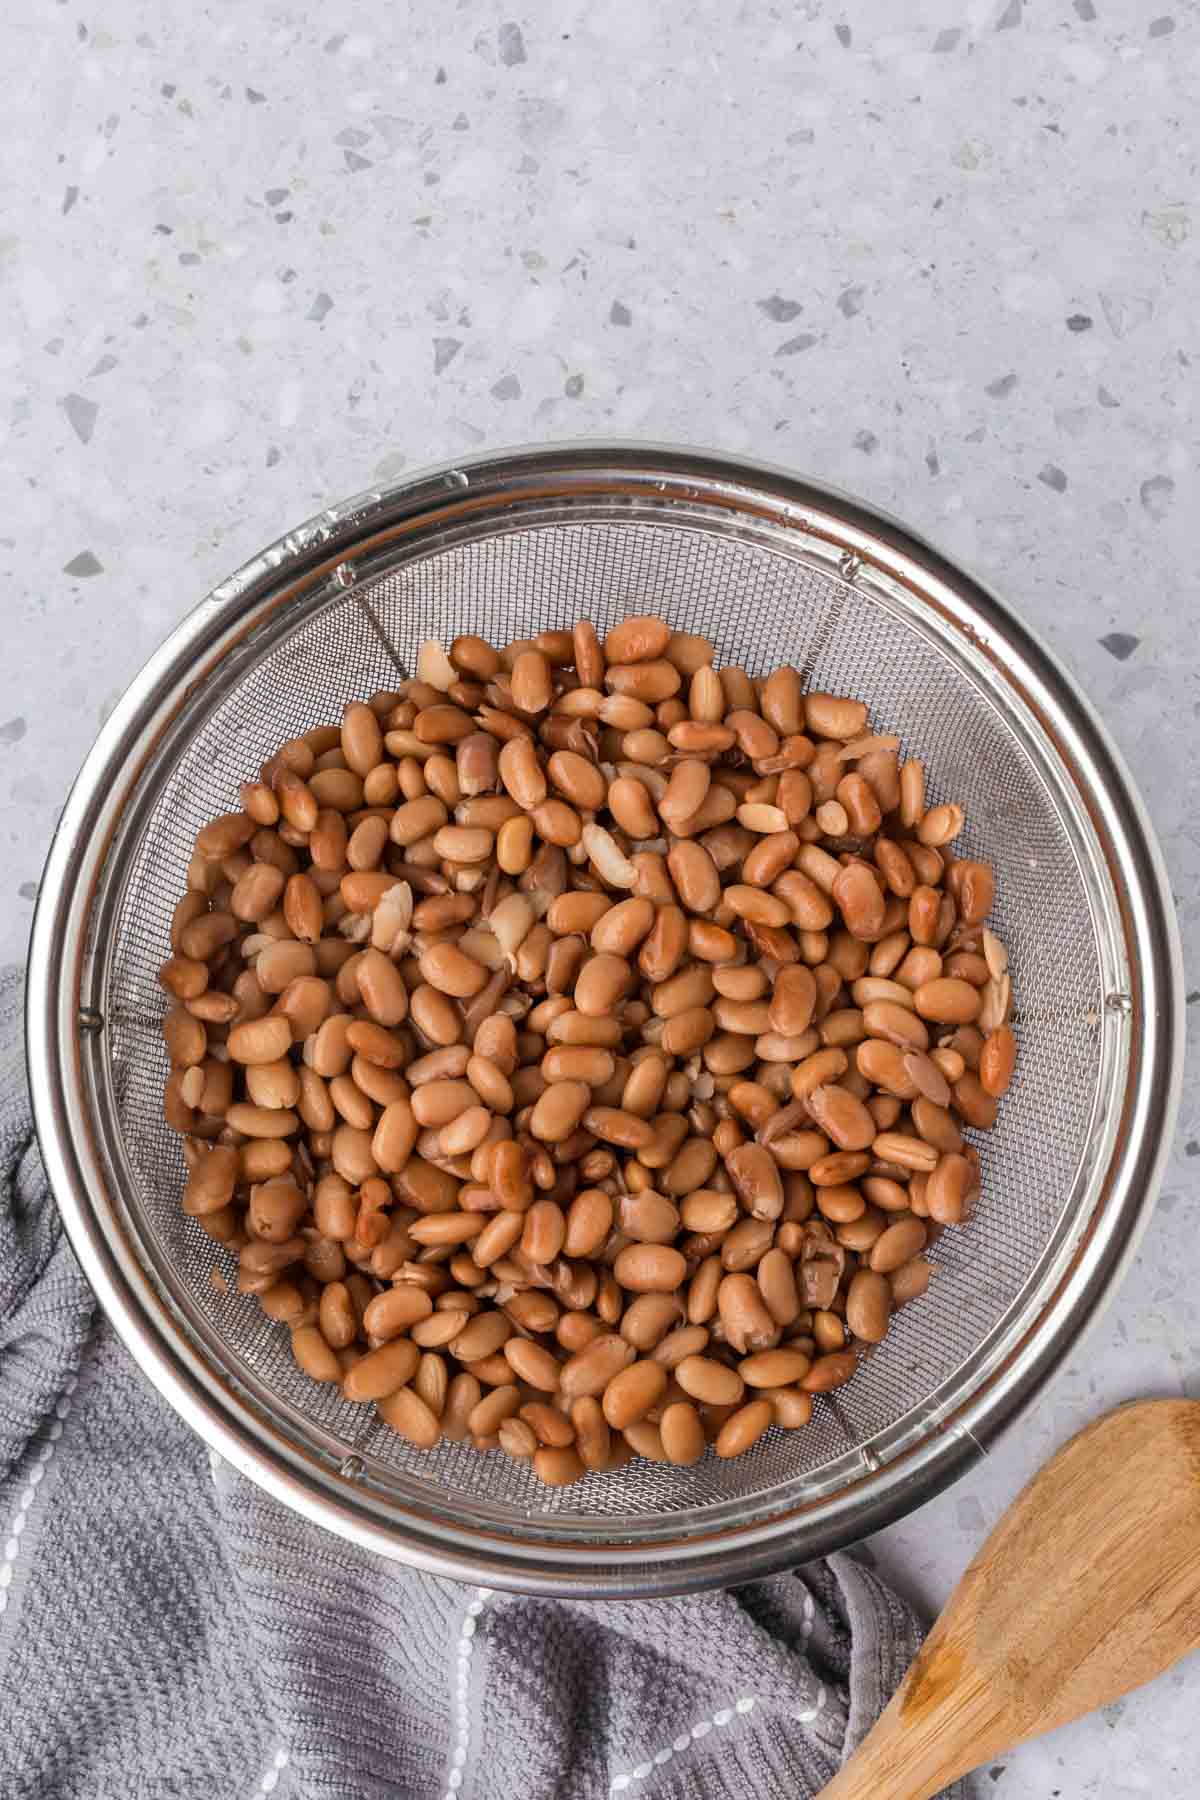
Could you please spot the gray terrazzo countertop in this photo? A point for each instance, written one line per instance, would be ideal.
(943, 256)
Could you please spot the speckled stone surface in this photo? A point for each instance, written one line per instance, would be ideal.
(941, 255)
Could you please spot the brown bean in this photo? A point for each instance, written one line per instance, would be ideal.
(682, 1434)
(898, 1244)
(557, 1468)
(649, 680)
(973, 1102)
(895, 1024)
(650, 1268)
(631, 807)
(806, 902)
(493, 1409)
(860, 900)
(601, 984)
(262, 1121)
(276, 1209)
(517, 1439)
(689, 1163)
(905, 1150)
(592, 1368)
(589, 1222)
(620, 929)
(648, 1318)
(337, 1317)
(755, 1175)
(695, 876)
(284, 1303)
(186, 1038)
(947, 1001)
(544, 1232)
(664, 947)
(940, 825)
(481, 1336)
(578, 1028)
(774, 1368)
(829, 716)
(576, 912)
(910, 1281)
(777, 1285)
(531, 683)
(314, 1355)
(578, 1062)
(393, 1311)
(830, 1371)
(447, 969)
(435, 1103)
(559, 1110)
(823, 1067)
(747, 1323)
(613, 1126)
(858, 800)
(842, 1116)
(948, 1189)
(475, 657)
(705, 1210)
(514, 845)
(792, 1409)
(886, 1194)
(211, 1182)
(578, 779)
(462, 1397)
(997, 1061)
(708, 1381)
(382, 1371)
(184, 977)
(497, 1238)
(885, 1066)
(532, 1364)
(793, 1000)
(746, 1244)
(744, 1428)
(684, 1340)
(868, 1306)
(632, 1392)
(637, 639)
(542, 1424)
(935, 1124)
(839, 1202)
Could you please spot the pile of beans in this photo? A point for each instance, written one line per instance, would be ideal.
(574, 1045)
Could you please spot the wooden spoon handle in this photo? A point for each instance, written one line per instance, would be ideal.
(893, 1764)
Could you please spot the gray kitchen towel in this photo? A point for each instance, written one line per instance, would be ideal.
(169, 1632)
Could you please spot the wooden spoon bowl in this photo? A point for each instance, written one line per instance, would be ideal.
(1088, 1587)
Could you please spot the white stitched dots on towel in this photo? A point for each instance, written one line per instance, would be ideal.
(20, 1518)
(271, 1774)
(462, 1684)
(621, 1784)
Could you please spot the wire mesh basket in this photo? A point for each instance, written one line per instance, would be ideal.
(772, 571)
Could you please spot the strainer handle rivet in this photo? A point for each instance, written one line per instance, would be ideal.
(1118, 1003)
(352, 1467)
(90, 1020)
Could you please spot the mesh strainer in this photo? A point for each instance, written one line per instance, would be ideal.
(772, 570)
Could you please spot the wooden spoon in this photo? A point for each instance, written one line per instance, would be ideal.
(1089, 1586)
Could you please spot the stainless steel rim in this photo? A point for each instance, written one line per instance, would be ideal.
(61, 1011)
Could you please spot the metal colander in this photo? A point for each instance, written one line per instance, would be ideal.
(773, 571)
